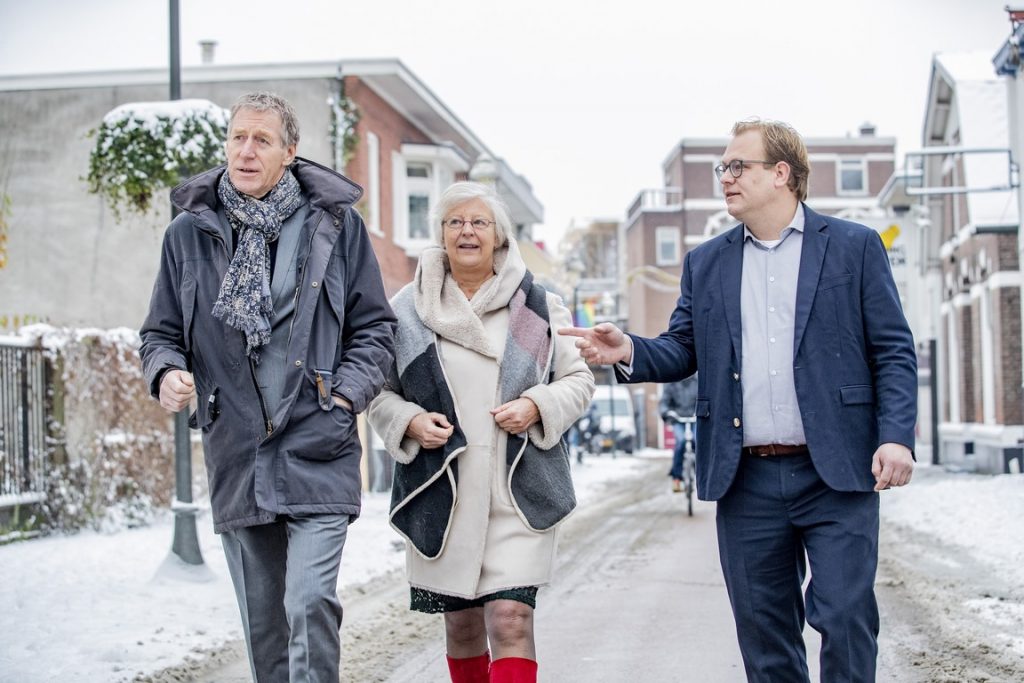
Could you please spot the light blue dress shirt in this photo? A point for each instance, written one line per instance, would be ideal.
(767, 312)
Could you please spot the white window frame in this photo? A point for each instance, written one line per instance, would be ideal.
(846, 164)
(419, 186)
(667, 235)
(373, 184)
(444, 162)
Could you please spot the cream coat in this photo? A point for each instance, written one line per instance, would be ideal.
(489, 546)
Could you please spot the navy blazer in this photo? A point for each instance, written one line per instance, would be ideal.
(854, 364)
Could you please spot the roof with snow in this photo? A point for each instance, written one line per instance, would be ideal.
(967, 108)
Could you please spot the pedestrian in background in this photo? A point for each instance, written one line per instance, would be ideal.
(270, 310)
(806, 405)
(474, 411)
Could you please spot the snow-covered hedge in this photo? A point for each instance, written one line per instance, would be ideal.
(145, 147)
(111, 463)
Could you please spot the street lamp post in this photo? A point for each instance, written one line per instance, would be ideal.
(186, 540)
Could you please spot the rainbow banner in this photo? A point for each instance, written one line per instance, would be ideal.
(586, 314)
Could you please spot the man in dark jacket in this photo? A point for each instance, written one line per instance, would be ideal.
(679, 400)
(270, 310)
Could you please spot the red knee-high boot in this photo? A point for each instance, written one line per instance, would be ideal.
(470, 669)
(513, 670)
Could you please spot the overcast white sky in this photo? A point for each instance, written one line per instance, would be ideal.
(585, 98)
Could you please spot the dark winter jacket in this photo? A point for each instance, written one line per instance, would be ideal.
(303, 458)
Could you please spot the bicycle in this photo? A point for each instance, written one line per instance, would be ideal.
(689, 465)
(688, 482)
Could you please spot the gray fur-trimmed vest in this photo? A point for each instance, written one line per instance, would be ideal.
(423, 492)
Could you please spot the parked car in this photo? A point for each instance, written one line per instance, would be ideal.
(616, 427)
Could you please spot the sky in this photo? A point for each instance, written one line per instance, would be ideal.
(124, 610)
(585, 98)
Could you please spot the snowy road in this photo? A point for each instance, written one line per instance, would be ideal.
(638, 596)
(948, 615)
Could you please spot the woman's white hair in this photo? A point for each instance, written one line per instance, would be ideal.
(465, 191)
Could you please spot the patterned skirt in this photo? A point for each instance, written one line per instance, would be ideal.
(423, 600)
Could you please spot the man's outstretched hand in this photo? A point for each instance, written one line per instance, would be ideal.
(602, 344)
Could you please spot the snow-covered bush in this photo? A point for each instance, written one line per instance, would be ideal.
(111, 462)
(145, 147)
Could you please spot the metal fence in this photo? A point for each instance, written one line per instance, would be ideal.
(23, 418)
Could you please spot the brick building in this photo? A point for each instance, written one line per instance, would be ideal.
(968, 180)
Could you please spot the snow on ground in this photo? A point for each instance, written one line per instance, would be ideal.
(980, 513)
(104, 607)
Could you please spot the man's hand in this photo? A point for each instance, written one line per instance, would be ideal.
(431, 430)
(342, 402)
(176, 390)
(892, 465)
(515, 417)
(603, 344)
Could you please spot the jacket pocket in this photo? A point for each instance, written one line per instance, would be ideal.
(857, 394)
(835, 281)
(326, 436)
(320, 429)
(207, 410)
(322, 381)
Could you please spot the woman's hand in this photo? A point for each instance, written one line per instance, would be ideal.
(431, 430)
(515, 417)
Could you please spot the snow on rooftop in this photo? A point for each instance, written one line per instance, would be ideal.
(981, 108)
(975, 65)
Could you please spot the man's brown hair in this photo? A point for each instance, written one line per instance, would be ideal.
(782, 143)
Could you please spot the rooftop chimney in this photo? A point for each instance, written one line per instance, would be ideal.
(207, 47)
(867, 130)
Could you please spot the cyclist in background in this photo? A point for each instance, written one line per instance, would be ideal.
(679, 399)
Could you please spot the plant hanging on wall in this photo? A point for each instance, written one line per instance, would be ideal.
(344, 118)
(146, 147)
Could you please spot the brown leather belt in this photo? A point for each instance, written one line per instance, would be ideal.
(775, 449)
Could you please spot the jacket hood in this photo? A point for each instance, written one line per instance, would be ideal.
(324, 188)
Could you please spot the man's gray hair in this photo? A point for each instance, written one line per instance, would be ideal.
(268, 101)
(465, 191)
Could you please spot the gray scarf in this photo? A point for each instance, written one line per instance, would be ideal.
(244, 301)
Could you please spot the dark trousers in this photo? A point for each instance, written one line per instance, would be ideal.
(778, 517)
(285, 576)
(679, 450)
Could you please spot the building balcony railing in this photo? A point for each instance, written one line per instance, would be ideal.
(656, 199)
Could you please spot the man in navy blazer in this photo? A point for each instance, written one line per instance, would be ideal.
(806, 405)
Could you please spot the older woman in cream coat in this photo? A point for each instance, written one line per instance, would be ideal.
(474, 412)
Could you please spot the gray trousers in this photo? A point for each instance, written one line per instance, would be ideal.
(286, 580)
